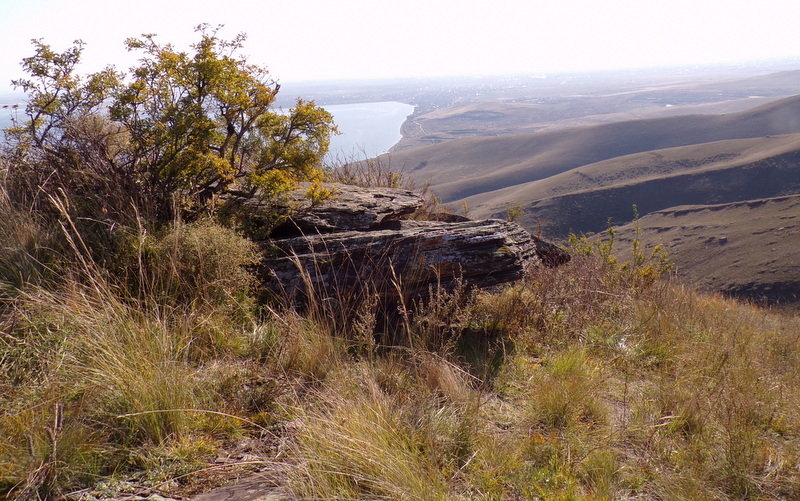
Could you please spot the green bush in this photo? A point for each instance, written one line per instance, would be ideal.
(200, 263)
(170, 137)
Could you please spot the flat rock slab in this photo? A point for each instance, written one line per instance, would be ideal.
(266, 485)
(350, 208)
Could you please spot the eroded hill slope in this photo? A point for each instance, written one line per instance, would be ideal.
(746, 249)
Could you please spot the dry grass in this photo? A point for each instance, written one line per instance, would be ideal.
(27, 253)
(617, 386)
(100, 368)
(595, 380)
(392, 428)
(365, 447)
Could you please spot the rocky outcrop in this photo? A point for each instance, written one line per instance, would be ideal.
(359, 240)
(411, 254)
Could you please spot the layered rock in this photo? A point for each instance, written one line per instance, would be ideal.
(412, 255)
(358, 240)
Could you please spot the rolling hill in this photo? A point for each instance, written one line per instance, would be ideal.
(583, 200)
(721, 191)
(575, 104)
(463, 168)
(745, 249)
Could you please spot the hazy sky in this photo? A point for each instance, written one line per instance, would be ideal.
(320, 39)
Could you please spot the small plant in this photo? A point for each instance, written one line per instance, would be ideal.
(317, 193)
(600, 470)
(643, 268)
(563, 395)
(514, 212)
(465, 208)
(197, 262)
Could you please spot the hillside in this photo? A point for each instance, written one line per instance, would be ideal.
(494, 119)
(583, 199)
(563, 180)
(588, 381)
(462, 168)
(576, 103)
(746, 249)
(638, 167)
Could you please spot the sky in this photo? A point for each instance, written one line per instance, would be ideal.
(305, 40)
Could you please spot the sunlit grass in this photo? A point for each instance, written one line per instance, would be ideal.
(593, 381)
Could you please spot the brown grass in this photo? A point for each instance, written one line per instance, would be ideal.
(595, 380)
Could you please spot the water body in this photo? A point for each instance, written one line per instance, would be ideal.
(7, 110)
(367, 129)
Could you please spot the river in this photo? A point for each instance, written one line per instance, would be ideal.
(367, 129)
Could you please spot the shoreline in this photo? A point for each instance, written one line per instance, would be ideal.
(368, 129)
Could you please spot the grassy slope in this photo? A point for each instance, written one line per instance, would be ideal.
(744, 248)
(589, 381)
(584, 199)
(640, 167)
